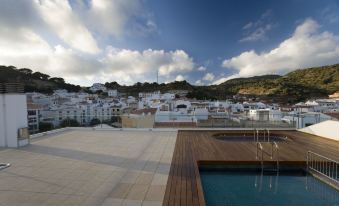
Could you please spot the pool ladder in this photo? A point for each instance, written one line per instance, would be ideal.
(274, 154)
(256, 135)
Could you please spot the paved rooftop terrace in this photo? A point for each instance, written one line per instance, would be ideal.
(89, 168)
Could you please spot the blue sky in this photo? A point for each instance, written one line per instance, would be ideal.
(204, 42)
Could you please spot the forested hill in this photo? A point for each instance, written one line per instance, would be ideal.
(35, 81)
(294, 86)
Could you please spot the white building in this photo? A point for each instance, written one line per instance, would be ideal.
(301, 120)
(13, 118)
(112, 93)
(149, 95)
(167, 96)
(265, 114)
(201, 113)
(33, 116)
(97, 87)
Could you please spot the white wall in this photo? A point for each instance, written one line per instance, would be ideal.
(2, 121)
(13, 110)
(328, 129)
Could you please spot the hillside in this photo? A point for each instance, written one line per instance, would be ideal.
(35, 81)
(292, 87)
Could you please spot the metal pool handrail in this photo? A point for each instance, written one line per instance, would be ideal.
(275, 148)
(323, 165)
(259, 147)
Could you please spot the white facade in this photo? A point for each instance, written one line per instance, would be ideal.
(167, 96)
(201, 113)
(150, 95)
(306, 119)
(13, 116)
(174, 116)
(112, 93)
(97, 86)
(33, 119)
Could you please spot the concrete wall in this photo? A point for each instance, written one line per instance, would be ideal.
(13, 113)
(138, 122)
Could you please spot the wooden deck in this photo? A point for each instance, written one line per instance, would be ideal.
(195, 147)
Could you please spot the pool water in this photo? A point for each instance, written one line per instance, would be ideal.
(291, 188)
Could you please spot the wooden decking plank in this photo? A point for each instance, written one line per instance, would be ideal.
(184, 184)
(189, 197)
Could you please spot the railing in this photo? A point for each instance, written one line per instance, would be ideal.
(323, 166)
(259, 147)
(77, 117)
(275, 147)
(322, 191)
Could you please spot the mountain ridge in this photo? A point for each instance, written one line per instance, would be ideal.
(294, 86)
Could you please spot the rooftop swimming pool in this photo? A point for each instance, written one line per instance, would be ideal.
(291, 187)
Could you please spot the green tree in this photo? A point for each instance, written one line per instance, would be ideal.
(57, 80)
(41, 76)
(26, 71)
(69, 123)
(115, 119)
(95, 121)
(45, 126)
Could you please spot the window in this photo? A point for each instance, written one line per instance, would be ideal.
(31, 112)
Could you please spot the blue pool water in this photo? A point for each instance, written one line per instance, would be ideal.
(241, 188)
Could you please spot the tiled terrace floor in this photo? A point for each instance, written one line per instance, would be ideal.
(89, 168)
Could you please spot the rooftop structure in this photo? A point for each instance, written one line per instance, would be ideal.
(84, 167)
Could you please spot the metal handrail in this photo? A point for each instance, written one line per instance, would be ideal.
(323, 165)
(259, 147)
(276, 147)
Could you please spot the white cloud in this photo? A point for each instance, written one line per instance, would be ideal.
(208, 77)
(24, 48)
(201, 68)
(143, 65)
(248, 25)
(180, 78)
(149, 60)
(330, 14)
(307, 47)
(110, 16)
(198, 82)
(257, 30)
(223, 79)
(29, 31)
(257, 34)
(117, 17)
(63, 21)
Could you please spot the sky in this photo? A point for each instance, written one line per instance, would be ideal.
(203, 42)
